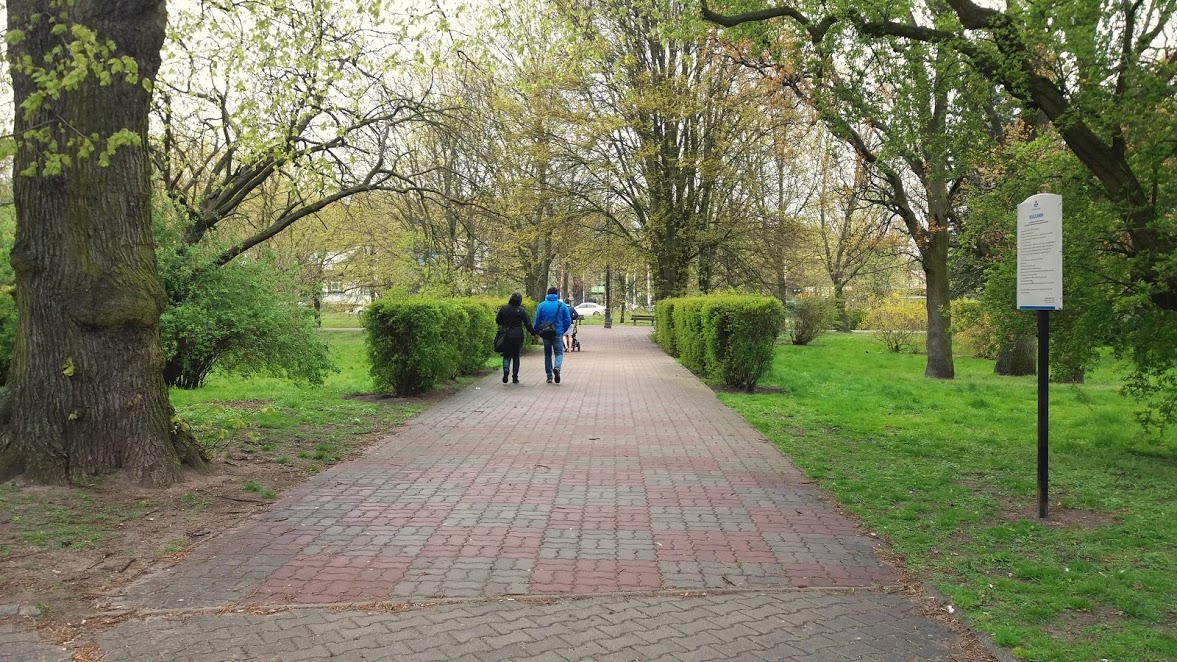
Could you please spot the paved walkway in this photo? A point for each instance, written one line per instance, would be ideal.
(624, 514)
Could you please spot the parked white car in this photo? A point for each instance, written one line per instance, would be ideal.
(589, 308)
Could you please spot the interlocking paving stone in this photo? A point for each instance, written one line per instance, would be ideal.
(630, 476)
(780, 625)
(19, 642)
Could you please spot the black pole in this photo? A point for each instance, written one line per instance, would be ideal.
(1043, 410)
(608, 301)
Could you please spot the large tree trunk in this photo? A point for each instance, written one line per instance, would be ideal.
(840, 306)
(1018, 358)
(87, 388)
(671, 259)
(935, 260)
(538, 271)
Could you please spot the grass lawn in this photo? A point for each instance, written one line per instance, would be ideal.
(297, 424)
(945, 471)
(340, 321)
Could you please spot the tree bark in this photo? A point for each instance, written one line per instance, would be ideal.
(87, 388)
(671, 254)
(1018, 358)
(935, 260)
(840, 306)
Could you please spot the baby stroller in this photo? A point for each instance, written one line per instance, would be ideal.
(575, 344)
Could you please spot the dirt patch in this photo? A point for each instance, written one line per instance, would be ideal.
(62, 549)
(1011, 508)
(1075, 519)
(1069, 625)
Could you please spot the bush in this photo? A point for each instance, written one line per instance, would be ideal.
(664, 325)
(727, 339)
(972, 330)
(243, 318)
(857, 317)
(811, 317)
(899, 322)
(414, 343)
(478, 343)
(740, 333)
(688, 334)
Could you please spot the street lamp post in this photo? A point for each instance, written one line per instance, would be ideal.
(608, 301)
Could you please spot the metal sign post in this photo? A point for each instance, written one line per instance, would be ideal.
(608, 297)
(1040, 287)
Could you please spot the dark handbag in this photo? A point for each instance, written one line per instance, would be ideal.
(501, 340)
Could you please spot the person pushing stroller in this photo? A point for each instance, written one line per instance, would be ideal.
(570, 341)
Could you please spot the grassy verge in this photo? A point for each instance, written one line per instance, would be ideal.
(301, 426)
(945, 471)
(340, 321)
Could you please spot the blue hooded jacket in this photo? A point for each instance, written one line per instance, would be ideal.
(551, 308)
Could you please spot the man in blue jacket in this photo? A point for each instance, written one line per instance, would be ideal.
(552, 319)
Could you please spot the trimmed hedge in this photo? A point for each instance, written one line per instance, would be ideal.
(414, 343)
(478, 345)
(727, 339)
(664, 332)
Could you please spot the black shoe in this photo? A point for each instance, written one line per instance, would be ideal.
(515, 379)
(556, 373)
(549, 379)
(505, 377)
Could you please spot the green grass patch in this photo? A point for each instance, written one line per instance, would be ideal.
(340, 321)
(945, 471)
(276, 420)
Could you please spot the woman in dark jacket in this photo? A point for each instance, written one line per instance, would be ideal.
(513, 318)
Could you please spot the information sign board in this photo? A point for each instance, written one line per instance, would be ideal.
(1040, 252)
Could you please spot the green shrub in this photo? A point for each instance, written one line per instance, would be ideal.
(664, 325)
(899, 322)
(478, 344)
(857, 316)
(810, 318)
(242, 317)
(972, 329)
(727, 339)
(415, 343)
(408, 348)
(739, 333)
(688, 334)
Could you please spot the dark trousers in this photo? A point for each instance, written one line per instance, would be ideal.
(511, 357)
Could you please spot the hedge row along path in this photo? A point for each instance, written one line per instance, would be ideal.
(623, 514)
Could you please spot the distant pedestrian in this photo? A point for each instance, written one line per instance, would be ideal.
(512, 319)
(552, 319)
(575, 316)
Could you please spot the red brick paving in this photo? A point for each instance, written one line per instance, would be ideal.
(628, 476)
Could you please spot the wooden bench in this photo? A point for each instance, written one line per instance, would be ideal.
(642, 318)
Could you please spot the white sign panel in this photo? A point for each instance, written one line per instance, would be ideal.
(1040, 252)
